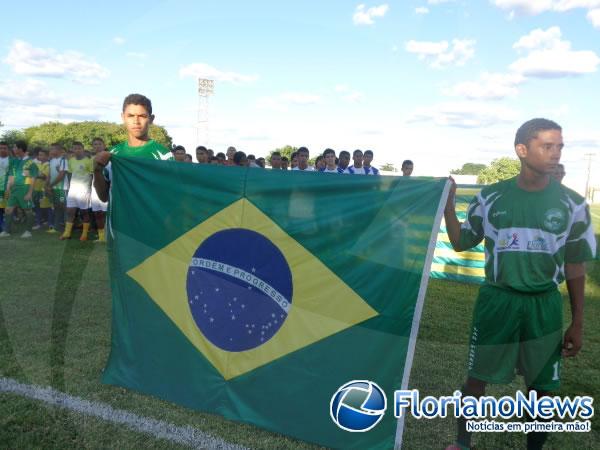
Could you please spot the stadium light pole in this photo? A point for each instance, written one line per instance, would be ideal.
(589, 157)
(206, 88)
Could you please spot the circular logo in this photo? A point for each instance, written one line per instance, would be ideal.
(239, 289)
(358, 406)
(554, 219)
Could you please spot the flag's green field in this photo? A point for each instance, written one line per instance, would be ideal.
(55, 314)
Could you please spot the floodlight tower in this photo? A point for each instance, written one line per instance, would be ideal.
(206, 88)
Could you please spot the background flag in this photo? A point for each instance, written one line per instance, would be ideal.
(468, 266)
(256, 294)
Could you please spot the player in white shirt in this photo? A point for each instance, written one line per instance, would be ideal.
(330, 165)
(302, 155)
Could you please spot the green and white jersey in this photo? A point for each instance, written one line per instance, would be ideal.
(151, 150)
(4, 172)
(529, 236)
(23, 170)
(58, 165)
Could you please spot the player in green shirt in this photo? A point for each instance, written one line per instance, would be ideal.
(537, 233)
(22, 172)
(4, 161)
(137, 117)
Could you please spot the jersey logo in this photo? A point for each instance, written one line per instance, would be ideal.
(554, 219)
(510, 242)
(538, 243)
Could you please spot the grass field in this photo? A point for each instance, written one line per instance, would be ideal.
(55, 331)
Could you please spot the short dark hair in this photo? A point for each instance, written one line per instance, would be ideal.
(138, 99)
(344, 153)
(275, 154)
(77, 143)
(303, 150)
(328, 151)
(188, 157)
(202, 148)
(319, 158)
(530, 129)
(179, 148)
(294, 155)
(368, 152)
(42, 150)
(284, 158)
(97, 139)
(250, 156)
(407, 162)
(237, 158)
(21, 144)
(357, 151)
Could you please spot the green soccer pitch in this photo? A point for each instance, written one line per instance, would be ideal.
(55, 311)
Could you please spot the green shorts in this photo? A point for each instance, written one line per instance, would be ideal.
(17, 197)
(519, 331)
(59, 196)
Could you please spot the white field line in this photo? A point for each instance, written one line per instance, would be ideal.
(184, 435)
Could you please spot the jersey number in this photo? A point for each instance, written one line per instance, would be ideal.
(556, 366)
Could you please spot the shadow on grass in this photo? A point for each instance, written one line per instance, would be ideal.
(10, 363)
(72, 267)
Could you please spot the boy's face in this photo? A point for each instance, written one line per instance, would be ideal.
(276, 162)
(230, 152)
(367, 158)
(330, 160)
(357, 158)
(137, 121)
(407, 170)
(344, 160)
(180, 155)
(202, 156)
(294, 161)
(284, 165)
(302, 159)
(42, 157)
(98, 146)
(543, 153)
(78, 151)
(3, 151)
(19, 153)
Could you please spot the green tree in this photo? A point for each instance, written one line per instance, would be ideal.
(66, 134)
(388, 167)
(500, 169)
(285, 151)
(469, 169)
(12, 136)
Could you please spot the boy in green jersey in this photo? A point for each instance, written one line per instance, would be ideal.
(4, 161)
(137, 117)
(80, 169)
(22, 172)
(537, 234)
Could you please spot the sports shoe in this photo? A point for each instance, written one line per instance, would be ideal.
(51, 231)
(4, 234)
(26, 235)
(62, 237)
(36, 227)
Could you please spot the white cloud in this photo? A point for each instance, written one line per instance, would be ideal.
(282, 102)
(28, 60)
(118, 40)
(535, 7)
(594, 17)
(550, 57)
(491, 86)
(464, 115)
(363, 16)
(201, 70)
(440, 54)
(421, 10)
(136, 55)
(29, 101)
(348, 94)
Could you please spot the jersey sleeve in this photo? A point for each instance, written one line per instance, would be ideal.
(581, 243)
(33, 170)
(471, 230)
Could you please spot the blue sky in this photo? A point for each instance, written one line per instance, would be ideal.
(441, 82)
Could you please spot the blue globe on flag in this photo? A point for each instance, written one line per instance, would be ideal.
(239, 288)
(358, 406)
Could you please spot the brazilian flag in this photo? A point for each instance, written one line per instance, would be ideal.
(257, 294)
